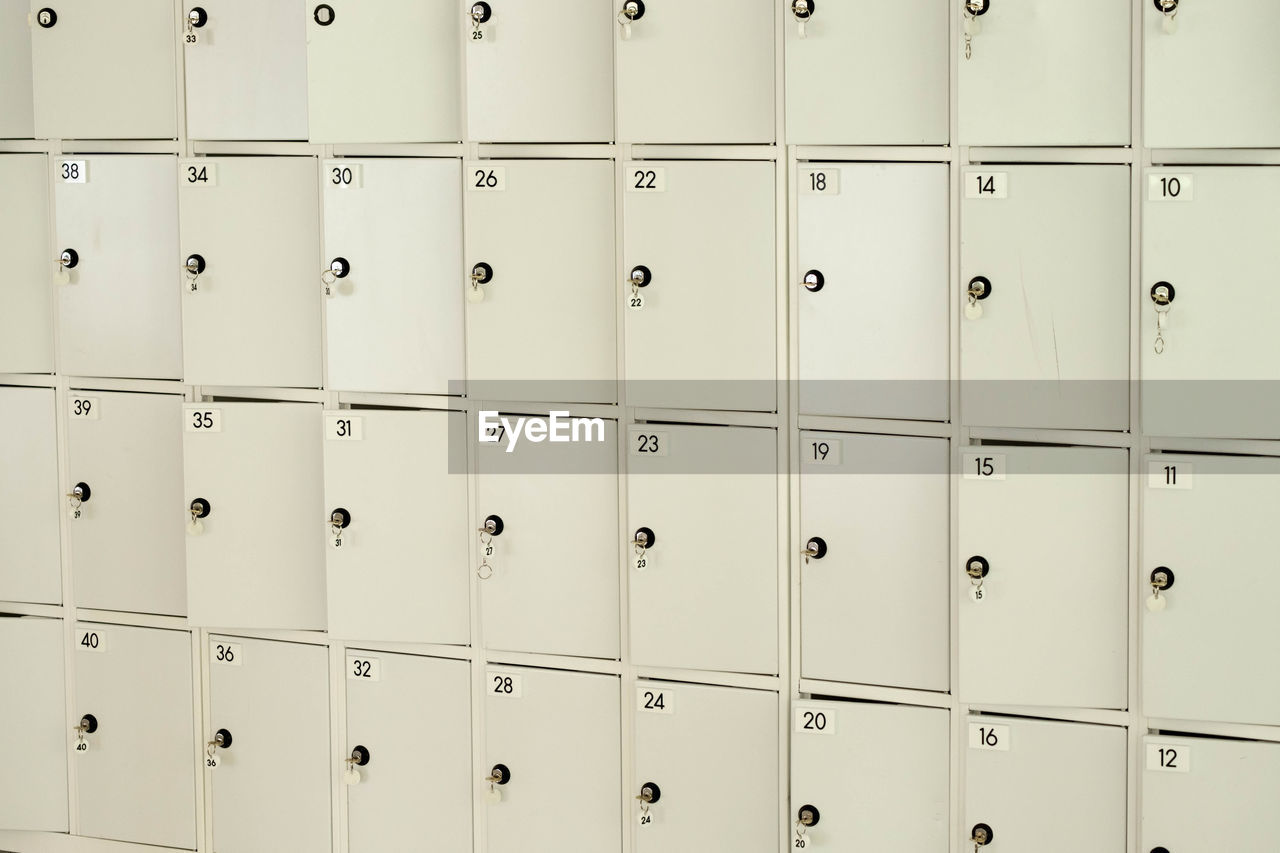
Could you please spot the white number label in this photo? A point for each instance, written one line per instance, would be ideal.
(484, 177)
(360, 668)
(814, 721)
(508, 685)
(204, 420)
(74, 171)
(343, 428)
(986, 185)
(1169, 757)
(1171, 187)
(85, 407)
(983, 466)
(91, 640)
(820, 181)
(987, 736)
(823, 451)
(343, 175)
(643, 178)
(1169, 475)
(200, 173)
(648, 443)
(226, 653)
(654, 700)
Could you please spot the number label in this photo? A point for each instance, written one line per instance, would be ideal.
(223, 652)
(823, 451)
(814, 721)
(361, 668)
(820, 181)
(507, 685)
(200, 173)
(655, 700)
(86, 408)
(91, 640)
(986, 185)
(483, 177)
(649, 443)
(643, 178)
(1171, 187)
(983, 466)
(343, 175)
(204, 420)
(987, 736)
(74, 171)
(1163, 474)
(1169, 757)
(343, 427)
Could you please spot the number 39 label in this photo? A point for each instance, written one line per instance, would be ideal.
(85, 408)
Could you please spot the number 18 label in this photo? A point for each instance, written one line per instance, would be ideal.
(820, 181)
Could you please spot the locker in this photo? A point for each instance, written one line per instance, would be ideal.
(1209, 235)
(703, 523)
(891, 63)
(393, 229)
(127, 553)
(104, 71)
(551, 582)
(711, 756)
(541, 322)
(250, 249)
(254, 517)
(1044, 272)
(873, 777)
(270, 788)
(539, 72)
(413, 723)
(384, 71)
(1205, 525)
(1206, 80)
(26, 304)
(30, 550)
(700, 254)
(1041, 785)
(1043, 576)
(17, 112)
(554, 738)
(246, 72)
(33, 795)
(874, 602)
(136, 781)
(695, 72)
(119, 312)
(874, 259)
(397, 570)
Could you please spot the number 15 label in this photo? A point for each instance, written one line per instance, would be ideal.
(983, 466)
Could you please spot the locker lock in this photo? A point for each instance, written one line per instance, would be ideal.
(323, 14)
(67, 261)
(808, 816)
(972, 26)
(631, 11)
(499, 775)
(1162, 294)
(803, 10)
(338, 521)
(46, 17)
(981, 835)
(221, 740)
(492, 527)
(649, 793)
(338, 268)
(88, 725)
(359, 758)
(979, 289)
(976, 568)
(78, 495)
(481, 273)
(199, 509)
(197, 18)
(640, 277)
(814, 549)
(643, 539)
(194, 266)
(814, 281)
(480, 14)
(1169, 9)
(1161, 581)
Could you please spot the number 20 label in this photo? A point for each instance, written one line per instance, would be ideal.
(814, 721)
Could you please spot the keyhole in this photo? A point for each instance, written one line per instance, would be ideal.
(324, 14)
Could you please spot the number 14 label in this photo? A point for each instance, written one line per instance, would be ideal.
(986, 185)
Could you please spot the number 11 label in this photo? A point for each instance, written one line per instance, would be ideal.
(1167, 474)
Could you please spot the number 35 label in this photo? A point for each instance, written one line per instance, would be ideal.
(204, 420)
(986, 736)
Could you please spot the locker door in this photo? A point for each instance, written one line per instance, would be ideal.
(1206, 79)
(557, 737)
(1044, 341)
(1209, 234)
(704, 591)
(413, 722)
(711, 753)
(541, 321)
(135, 781)
(1043, 786)
(393, 228)
(255, 520)
(893, 86)
(33, 795)
(270, 789)
(875, 776)
(30, 561)
(874, 606)
(552, 582)
(1040, 75)
(17, 113)
(696, 72)
(253, 224)
(119, 311)
(104, 71)
(384, 71)
(540, 72)
(1047, 626)
(874, 256)
(26, 305)
(247, 48)
(127, 550)
(398, 570)
(1205, 524)
(704, 337)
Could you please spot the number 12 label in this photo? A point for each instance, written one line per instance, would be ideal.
(1169, 757)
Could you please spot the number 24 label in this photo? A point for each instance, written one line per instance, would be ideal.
(655, 700)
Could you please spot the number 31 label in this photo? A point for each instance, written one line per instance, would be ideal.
(343, 428)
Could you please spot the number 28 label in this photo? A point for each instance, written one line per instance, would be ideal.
(507, 685)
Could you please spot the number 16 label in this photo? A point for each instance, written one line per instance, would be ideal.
(986, 736)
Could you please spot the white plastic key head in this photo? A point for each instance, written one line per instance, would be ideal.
(212, 761)
(635, 301)
(977, 594)
(475, 294)
(1170, 24)
(972, 310)
(62, 276)
(1156, 603)
(195, 527)
(352, 776)
(972, 26)
(493, 796)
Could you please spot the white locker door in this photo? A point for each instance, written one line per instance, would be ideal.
(398, 570)
(271, 787)
(1209, 794)
(876, 777)
(711, 755)
(1038, 76)
(704, 591)
(1045, 340)
(552, 582)
(540, 240)
(104, 70)
(1206, 524)
(253, 317)
(703, 247)
(411, 718)
(1049, 527)
(1044, 786)
(393, 229)
(30, 502)
(540, 72)
(697, 72)
(119, 312)
(33, 734)
(874, 601)
(246, 73)
(136, 778)
(556, 739)
(874, 253)
(255, 556)
(26, 301)
(893, 86)
(1208, 79)
(127, 550)
(17, 112)
(1209, 236)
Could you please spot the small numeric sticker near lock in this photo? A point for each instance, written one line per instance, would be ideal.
(655, 700)
(990, 737)
(820, 181)
(363, 668)
(1169, 757)
(86, 408)
(505, 685)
